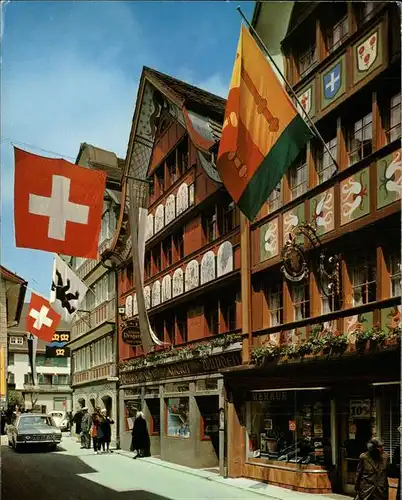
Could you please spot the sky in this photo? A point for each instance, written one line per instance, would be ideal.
(70, 74)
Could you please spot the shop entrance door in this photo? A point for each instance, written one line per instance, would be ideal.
(357, 428)
(209, 419)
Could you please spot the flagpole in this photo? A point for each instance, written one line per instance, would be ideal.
(312, 125)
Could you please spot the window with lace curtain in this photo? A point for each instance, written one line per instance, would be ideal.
(329, 300)
(394, 269)
(301, 300)
(360, 139)
(337, 33)
(325, 165)
(394, 131)
(274, 298)
(362, 269)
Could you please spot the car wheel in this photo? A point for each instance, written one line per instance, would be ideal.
(52, 447)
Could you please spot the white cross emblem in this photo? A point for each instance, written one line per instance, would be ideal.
(331, 84)
(40, 317)
(58, 208)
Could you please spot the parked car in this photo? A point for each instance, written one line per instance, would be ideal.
(33, 428)
(61, 419)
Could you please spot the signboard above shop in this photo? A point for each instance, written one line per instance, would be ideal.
(131, 334)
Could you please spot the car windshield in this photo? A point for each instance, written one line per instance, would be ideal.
(36, 421)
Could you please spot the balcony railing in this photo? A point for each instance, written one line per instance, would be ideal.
(88, 321)
(95, 373)
(90, 264)
(47, 388)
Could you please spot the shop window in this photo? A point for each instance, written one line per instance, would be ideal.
(325, 165)
(394, 269)
(275, 199)
(212, 317)
(209, 226)
(178, 239)
(209, 413)
(360, 139)
(390, 420)
(130, 409)
(155, 416)
(338, 33)
(301, 301)
(362, 269)
(394, 130)
(178, 424)
(228, 309)
(298, 177)
(181, 320)
(274, 298)
(289, 427)
(167, 251)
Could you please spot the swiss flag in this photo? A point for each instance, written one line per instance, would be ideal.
(41, 320)
(57, 205)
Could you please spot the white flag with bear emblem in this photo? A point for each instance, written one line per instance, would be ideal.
(67, 291)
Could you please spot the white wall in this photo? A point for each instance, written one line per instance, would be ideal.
(46, 399)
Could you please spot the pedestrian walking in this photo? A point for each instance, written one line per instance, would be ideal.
(140, 441)
(95, 431)
(86, 423)
(372, 473)
(106, 431)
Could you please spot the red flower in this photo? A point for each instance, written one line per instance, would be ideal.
(361, 50)
(337, 333)
(366, 58)
(372, 40)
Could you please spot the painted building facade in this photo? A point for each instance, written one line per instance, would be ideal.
(191, 275)
(93, 336)
(53, 390)
(321, 365)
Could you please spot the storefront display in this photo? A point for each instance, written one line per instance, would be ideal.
(178, 417)
(289, 426)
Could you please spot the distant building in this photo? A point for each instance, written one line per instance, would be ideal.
(53, 391)
(12, 294)
(93, 335)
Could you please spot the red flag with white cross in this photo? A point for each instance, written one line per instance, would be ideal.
(41, 320)
(57, 205)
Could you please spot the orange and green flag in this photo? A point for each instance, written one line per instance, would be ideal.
(262, 132)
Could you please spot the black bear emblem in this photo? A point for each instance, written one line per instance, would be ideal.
(62, 295)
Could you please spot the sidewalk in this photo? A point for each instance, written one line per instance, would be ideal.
(249, 485)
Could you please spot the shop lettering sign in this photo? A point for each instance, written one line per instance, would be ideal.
(269, 396)
(194, 367)
(360, 408)
(131, 333)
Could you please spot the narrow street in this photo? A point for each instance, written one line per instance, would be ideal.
(70, 473)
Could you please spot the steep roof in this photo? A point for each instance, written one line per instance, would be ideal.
(101, 159)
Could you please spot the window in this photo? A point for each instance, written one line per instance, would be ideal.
(156, 253)
(104, 232)
(365, 11)
(229, 213)
(169, 325)
(42, 360)
(228, 308)
(394, 268)
(209, 413)
(11, 378)
(363, 277)
(325, 164)
(60, 380)
(179, 244)
(178, 424)
(183, 156)
(10, 358)
(28, 379)
(289, 426)
(212, 317)
(16, 340)
(307, 60)
(209, 226)
(191, 194)
(160, 177)
(298, 177)
(337, 33)
(330, 301)
(101, 290)
(274, 298)
(147, 264)
(300, 299)
(181, 320)
(394, 131)
(79, 261)
(274, 199)
(171, 166)
(155, 417)
(360, 139)
(167, 251)
(151, 188)
(59, 404)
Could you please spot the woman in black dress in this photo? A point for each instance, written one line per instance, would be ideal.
(140, 437)
(106, 431)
